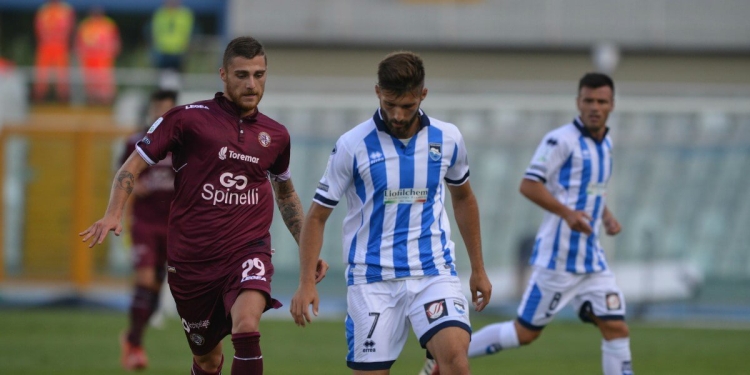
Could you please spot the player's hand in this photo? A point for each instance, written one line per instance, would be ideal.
(481, 289)
(97, 232)
(579, 221)
(611, 225)
(305, 296)
(321, 270)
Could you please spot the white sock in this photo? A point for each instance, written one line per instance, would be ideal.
(493, 338)
(616, 357)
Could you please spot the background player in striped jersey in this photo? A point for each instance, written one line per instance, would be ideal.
(393, 170)
(148, 232)
(568, 177)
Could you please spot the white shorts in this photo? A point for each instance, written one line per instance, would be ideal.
(549, 291)
(380, 314)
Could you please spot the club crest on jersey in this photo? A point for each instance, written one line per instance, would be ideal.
(436, 151)
(459, 306)
(435, 310)
(155, 125)
(264, 139)
(197, 339)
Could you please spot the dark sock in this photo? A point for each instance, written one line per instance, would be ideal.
(247, 357)
(197, 370)
(143, 305)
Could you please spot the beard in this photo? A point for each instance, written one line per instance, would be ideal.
(404, 128)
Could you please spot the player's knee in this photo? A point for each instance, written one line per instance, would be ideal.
(245, 326)
(613, 329)
(526, 336)
(455, 361)
(209, 362)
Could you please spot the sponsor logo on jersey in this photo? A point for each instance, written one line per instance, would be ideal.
(155, 125)
(405, 196)
(435, 310)
(369, 346)
(146, 140)
(225, 153)
(435, 151)
(228, 195)
(613, 301)
(264, 139)
(192, 106)
(322, 186)
(376, 157)
(595, 188)
(190, 326)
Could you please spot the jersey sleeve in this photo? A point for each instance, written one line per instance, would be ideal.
(162, 137)
(279, 171)
(458, 169)
(337, 177)
(548, 158)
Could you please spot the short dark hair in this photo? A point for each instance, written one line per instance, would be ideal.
(401, 72)
(595, 81)
(243, 46)
(160, 95)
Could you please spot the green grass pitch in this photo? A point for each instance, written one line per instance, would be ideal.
(85, 342)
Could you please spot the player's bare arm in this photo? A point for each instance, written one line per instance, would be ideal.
(311, 242)
(122, 187)
(536, 192)
(466, 211)
(290, 206)
(611, 225)
(293, 215)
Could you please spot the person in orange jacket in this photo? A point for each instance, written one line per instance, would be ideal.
(53, 25)
(97, 46)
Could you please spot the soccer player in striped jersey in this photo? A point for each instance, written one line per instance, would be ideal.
(393, 170)
(568, 178)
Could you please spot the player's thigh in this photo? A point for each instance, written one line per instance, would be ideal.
(547, 293)
(450, 343)
(254, 272)
(600, 296)
(438, 303)
(246, 311)
(204, 318)
(376, 324)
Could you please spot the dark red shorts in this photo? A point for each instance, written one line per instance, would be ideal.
(149, 245)
(205, 310)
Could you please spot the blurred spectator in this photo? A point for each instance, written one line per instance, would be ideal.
(53, 25)
(171, 28)
(97, 46)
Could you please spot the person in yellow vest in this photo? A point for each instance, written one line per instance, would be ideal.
(171, 28)
(53, 25)
(97, 46)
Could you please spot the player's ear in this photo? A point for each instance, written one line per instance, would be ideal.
(223, 75)
(424, 93)
(377, 91)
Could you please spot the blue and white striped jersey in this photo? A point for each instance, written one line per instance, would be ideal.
(575, 169)
(396, 225)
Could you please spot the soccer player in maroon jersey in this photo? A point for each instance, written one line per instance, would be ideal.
(149, 215)
(227, 157)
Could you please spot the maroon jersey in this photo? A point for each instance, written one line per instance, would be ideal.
(152, 208)
(223, 202)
